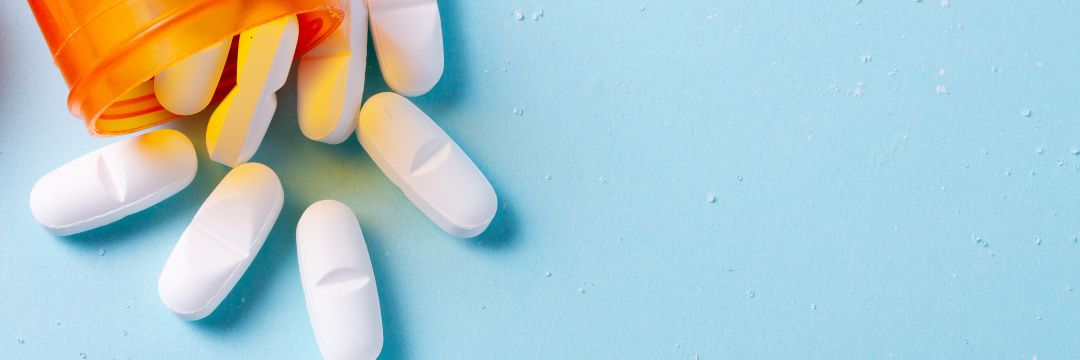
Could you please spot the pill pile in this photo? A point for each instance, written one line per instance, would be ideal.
(228, 230)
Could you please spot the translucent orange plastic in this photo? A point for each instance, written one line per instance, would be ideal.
(109, 50)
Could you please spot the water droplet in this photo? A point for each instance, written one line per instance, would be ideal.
(483, 307)
(101, 252)
(82, 355)
(547, 177)
(602, 179)
(124, 332)
(693, 356)
(1075, 151)
(580, 290)
(1038, 241)
(750, 293)
(547, 274)
(641, 8)
(1068, 288)
(1039, 151)
(710, 198)
(1026, 113)
(21, 341)
(517, 15)
(57, 323)
(739, 178)
(519, 112)
(1038, 317)
(813, 306)
(979, 241)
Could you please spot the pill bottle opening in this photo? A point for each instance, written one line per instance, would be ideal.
(109, 50)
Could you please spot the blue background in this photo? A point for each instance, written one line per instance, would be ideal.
(851, 178)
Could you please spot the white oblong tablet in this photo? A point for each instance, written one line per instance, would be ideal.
(113, 182)
(222, 239)
(188, 86)
(339, 284)
(408, 42)
(330, 80)
(258, 119)
(432, 170)
(238, 125)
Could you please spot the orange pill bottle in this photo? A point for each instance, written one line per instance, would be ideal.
(109, 50)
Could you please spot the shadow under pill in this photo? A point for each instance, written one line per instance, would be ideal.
(454, 85)
(501, 234)
(373, 79)
(394, 332)
(137, 225)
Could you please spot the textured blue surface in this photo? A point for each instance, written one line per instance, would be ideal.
(854, 149)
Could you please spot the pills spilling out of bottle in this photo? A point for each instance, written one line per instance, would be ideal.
(230, 227)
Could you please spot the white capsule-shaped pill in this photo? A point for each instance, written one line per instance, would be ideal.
(339, 284)
(408, 42)
(432, 170)
(113, 182)
(330, 80)
(219, 244)
(188, 86)
(238, 125)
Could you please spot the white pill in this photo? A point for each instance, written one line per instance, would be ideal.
(188, 86)
(432, 170)
(408, 41)
(237, 126)
(222, 239)
(113, 182)
(330, 80)
(339, 284)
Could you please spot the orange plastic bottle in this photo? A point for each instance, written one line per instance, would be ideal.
(109, 50)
